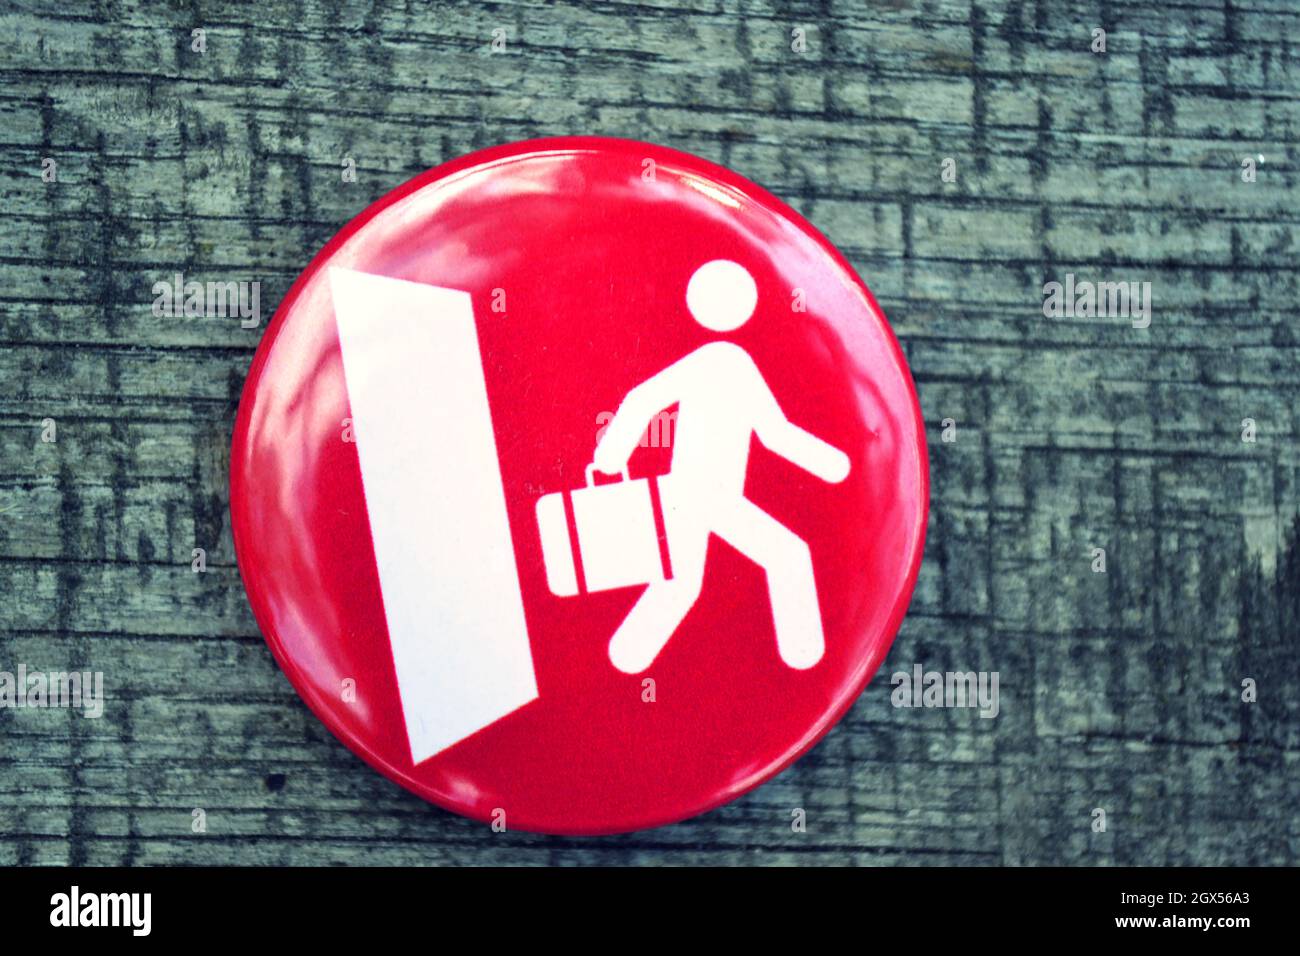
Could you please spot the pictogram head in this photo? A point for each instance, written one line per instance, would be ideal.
(721, 295)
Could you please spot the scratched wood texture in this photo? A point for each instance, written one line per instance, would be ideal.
(1119, 690)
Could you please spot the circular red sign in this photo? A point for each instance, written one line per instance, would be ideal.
(579, 485)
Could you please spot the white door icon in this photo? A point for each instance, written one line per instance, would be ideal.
(437, 506)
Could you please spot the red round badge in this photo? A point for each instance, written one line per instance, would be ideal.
(579, 485)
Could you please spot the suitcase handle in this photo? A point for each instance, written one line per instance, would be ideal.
(590, 470)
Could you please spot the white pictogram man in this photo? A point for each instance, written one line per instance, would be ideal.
(722, 399)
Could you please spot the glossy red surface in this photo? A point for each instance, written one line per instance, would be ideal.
(596, 261)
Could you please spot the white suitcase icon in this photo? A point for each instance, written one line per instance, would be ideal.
(618, 543)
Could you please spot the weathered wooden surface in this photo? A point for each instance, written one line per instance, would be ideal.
(1119, 691)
